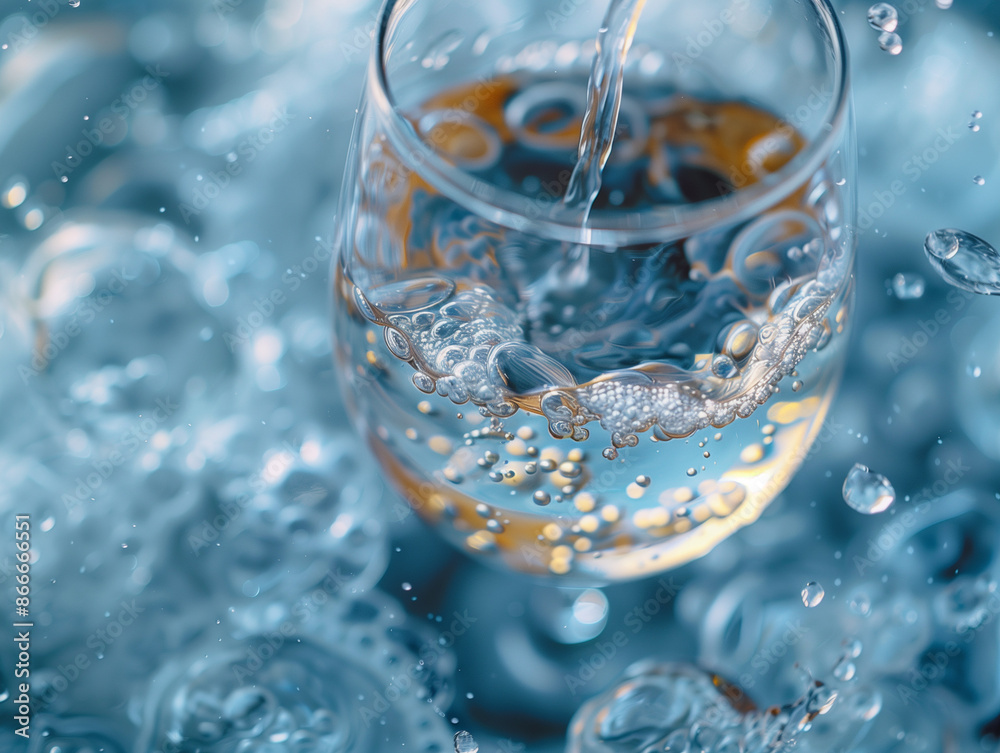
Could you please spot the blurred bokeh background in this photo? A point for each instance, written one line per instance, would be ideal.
(217, 565)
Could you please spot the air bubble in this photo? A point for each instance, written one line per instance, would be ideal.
(890, 42)
(883, 17)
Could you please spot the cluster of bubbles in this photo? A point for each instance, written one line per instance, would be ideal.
(884, 18)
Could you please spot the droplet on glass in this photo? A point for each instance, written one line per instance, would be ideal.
(979, 180)
(907, 286)
(891, 42)
(964, 260)
(813, 594)
(883, 17)
(868, 492)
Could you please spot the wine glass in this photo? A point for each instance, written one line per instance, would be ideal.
(596, 396)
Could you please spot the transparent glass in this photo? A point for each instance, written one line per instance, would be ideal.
(598, 399)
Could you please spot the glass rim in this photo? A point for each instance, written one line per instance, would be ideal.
(660, 224)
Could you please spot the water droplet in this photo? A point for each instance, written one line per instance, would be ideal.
(972, 368)
(890, 42)
(908, 287)
(976, 114)
(812, 594)
(979, 180)
(883, 17)
(964, 260)
(541, 497)
(610, 453)
(868, 492)
(465, 743)
(974, 127)
(643, 481)
(74, 3)
(407, 587)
